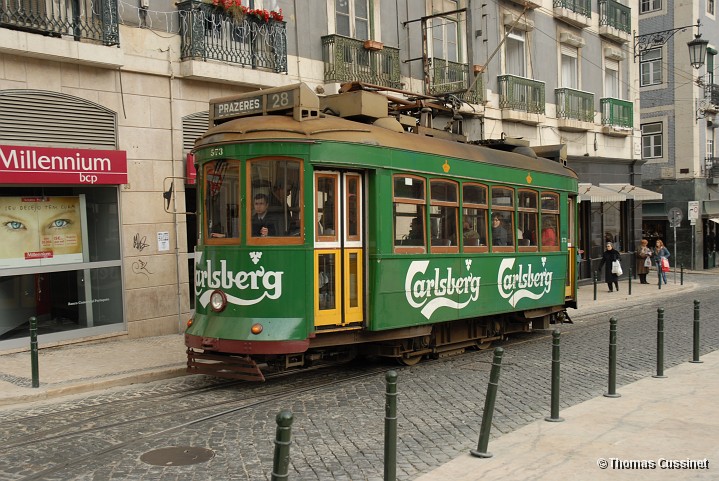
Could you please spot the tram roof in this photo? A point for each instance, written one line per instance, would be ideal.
(336, 129)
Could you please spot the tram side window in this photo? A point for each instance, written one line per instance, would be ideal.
(474, 218)
(528, 214)
(273, 200)
(408, 214)
(444, 206)
(222, 179)
(550, 221)
(503, 230)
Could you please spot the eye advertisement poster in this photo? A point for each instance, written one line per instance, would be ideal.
(40, 230)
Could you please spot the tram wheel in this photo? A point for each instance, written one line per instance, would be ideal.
(483, 346)
(409, 361)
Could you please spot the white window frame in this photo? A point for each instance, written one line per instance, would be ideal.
(646, 6)
(652, 136)
(332, 9)
(569, 52)
(612, 66)
(516, 41)
(445, 31)
(711, 8)
(654, 65)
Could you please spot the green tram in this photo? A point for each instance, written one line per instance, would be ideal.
(328, 228)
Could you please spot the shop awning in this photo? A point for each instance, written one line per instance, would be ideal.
(633, 192)
(594, 193)
(715, 219)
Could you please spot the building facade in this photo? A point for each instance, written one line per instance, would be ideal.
(678, 108)
(100, 104)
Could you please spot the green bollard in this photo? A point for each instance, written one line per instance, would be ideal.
(481, 451)
(554, 417)
(390, 428)
(630, 280)
(281, 462)
(34, 366)
(660, 343)
(659, 274)
(595, 278)
(696, 360)
(681, 275)
(612, 392)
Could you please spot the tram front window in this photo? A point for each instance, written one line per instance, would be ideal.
(274, 198)
(222, 178)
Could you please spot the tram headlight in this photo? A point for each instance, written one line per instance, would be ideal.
(218, 301)
(256, 328)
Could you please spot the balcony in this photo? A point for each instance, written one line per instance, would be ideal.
(347, 60)
(521, 99)
(617, 117)
(447, 77)
(574, 12)
(711, 93)
(712, 170)
(208, 32)
(615, 21)
(80, 20)
(575, 110)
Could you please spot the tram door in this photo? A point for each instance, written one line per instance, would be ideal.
(338, 259)
(572, 263)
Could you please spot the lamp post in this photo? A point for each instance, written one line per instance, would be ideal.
(697, 47)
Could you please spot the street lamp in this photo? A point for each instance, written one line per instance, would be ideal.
(697, 47)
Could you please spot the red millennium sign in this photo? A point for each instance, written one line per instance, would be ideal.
(48, 165)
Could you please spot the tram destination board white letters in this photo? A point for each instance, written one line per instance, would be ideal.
(272, 100)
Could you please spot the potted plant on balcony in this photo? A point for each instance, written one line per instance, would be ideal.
(373, 45)
(239, 11)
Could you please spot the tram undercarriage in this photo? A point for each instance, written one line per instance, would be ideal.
(407, 346)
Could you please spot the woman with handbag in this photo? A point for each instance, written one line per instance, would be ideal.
(644, 261)
(661, 253)
(610, 261)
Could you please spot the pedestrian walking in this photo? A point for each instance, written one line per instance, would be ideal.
(611, 277)
(644, 261)
(661, 252)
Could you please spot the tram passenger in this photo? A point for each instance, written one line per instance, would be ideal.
(263, 223)
(499, 233)
(549, 235)
(471, 237)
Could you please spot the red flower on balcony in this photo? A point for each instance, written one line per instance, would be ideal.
(236, 8)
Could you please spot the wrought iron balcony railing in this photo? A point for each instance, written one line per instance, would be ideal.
(447, 76)
(711, 92)
(209, 32)
(615, 15)
(347, 60)
(617, 113)
(79, 19)
(582, 7)
(575, 104)
(523, 94)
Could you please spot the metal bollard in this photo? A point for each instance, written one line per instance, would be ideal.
(660, 343)
(34, 366)
(554, 416)
(659, 274)
(681, 275)
(612, 392)
(481, 451)
(281, 462)
(630, 280)
(595, 279)
(390, 427)
(696, 334)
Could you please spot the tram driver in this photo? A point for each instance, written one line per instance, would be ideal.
(263, 223)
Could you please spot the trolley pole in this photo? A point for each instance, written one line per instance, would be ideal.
(34, 366)
(481, 451)
(390, 427)
(696, 334)
(554, 416)
(612, 392)
(281, 462)
(660, 343)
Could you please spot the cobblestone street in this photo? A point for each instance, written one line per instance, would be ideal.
(338, 430)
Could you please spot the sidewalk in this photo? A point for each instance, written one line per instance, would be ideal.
(659, 429)
(86, 367)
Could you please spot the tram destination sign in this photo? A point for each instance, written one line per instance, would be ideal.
(244, 105)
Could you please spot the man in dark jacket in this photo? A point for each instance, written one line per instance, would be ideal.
(608, 257)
